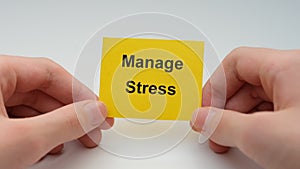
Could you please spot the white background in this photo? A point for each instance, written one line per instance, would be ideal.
(59, 29)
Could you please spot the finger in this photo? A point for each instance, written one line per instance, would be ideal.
(228, 130)
(21, 112)
(218, 148)
(257, 135)
(235, 129)
(91, 139)
(67, 123)
(240, 66)
(245, 99)
(35, 99)
(109, 122)
(57, 150)
(48, 77)
(264, 106)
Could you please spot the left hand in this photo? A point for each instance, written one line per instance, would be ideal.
(36, 111)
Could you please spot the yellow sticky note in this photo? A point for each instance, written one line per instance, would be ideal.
(151, 78)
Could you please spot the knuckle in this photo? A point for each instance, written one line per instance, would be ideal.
(50, 64)
(234, 56)
(273, 70)
(49, 74)
(52, 71)
(238, 50)
(48, 80)
(46, 60)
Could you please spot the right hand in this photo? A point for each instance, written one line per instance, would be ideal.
(262, 110)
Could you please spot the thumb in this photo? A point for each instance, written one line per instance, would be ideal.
(69, 122)
(223, 127)
(266, 137)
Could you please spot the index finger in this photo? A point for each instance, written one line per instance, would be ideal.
(242, 65)
(23, 74)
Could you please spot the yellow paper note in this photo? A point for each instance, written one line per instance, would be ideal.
(151, 78)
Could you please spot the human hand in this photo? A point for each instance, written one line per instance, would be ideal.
(262, 106)
(36, 111)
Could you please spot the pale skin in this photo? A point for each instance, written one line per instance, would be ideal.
(261, 116)
(262, 109)
(37, 114)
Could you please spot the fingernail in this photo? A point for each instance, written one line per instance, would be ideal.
(194, 117)
(94, 113)
(90, 114)
(202, 138)
(196, 120)
(211, 122)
